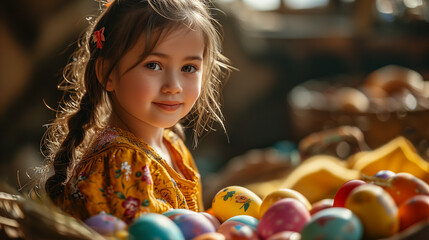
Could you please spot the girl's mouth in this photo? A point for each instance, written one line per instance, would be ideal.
(168, 106)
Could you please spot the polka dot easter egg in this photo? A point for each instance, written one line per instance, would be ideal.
(287, 214)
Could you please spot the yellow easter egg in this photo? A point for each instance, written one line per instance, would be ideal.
(235, 200)
(282, 193)
(376, 210)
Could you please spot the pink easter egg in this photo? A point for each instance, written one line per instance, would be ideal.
(286, 214)
(285, 235)
(212, 219)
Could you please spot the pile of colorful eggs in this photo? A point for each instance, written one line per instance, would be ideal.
(376, 207)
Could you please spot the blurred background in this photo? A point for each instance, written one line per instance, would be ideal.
(291, 54)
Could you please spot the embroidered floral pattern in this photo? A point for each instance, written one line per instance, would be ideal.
(146, 175)
(75, 193)
(105, 137)
(109, 192)
(126, 179)
(131, 205)
(81, 176)
(126, 168)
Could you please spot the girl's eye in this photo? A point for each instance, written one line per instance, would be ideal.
(189, 69)
(153, 66)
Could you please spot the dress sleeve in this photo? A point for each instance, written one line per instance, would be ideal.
(191, 162)
(121, 184)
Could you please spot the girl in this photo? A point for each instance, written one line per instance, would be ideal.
(142, 67)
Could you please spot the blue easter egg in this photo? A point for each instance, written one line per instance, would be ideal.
(193, 225)
(250, 221)
(154, 226)
(333, 223)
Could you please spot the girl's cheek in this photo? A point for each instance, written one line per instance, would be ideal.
(196, 90)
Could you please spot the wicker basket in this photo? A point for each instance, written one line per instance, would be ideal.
(390, 102)
(23, 218)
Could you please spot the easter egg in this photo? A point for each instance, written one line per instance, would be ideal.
(237, 231)
(228, 225)
(210, 236)
(344, 191)
(282, 193)
(376, 210)
(192, 225)
(105, 224)
(247, 220)
(384, 174)
(212, 219)
(285, 235)
(414, 210)
(321, 204)
(333, 223)
(403, 186)
(286, 214)
(154, 226)
(209, 211)
(235, 200)
(173, 212)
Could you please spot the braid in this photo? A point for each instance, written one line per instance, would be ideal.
(65, 156)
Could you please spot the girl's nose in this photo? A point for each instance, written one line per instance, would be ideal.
(171, 84)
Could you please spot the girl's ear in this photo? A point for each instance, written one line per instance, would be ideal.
(101, 70)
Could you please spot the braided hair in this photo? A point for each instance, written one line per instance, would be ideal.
(85, 106)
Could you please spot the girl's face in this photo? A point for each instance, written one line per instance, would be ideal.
(160, 90)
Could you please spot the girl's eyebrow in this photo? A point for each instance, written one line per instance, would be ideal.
(188, 58)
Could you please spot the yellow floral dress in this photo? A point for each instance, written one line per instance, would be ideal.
(123, 176)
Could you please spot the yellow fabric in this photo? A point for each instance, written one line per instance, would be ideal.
(124, 176)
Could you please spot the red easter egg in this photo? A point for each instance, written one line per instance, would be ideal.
(414, 210)
(322, 204)
(344, 191)
(404, 186)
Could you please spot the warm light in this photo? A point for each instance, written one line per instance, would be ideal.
(265, 5)
(225, 1)
(303, 4)
(413, 3)
(384, 6)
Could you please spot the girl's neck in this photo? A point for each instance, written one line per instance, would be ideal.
(149, 134)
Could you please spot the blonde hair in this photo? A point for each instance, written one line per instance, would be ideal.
(85, 104)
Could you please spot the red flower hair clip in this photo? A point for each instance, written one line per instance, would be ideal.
(98, 38)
